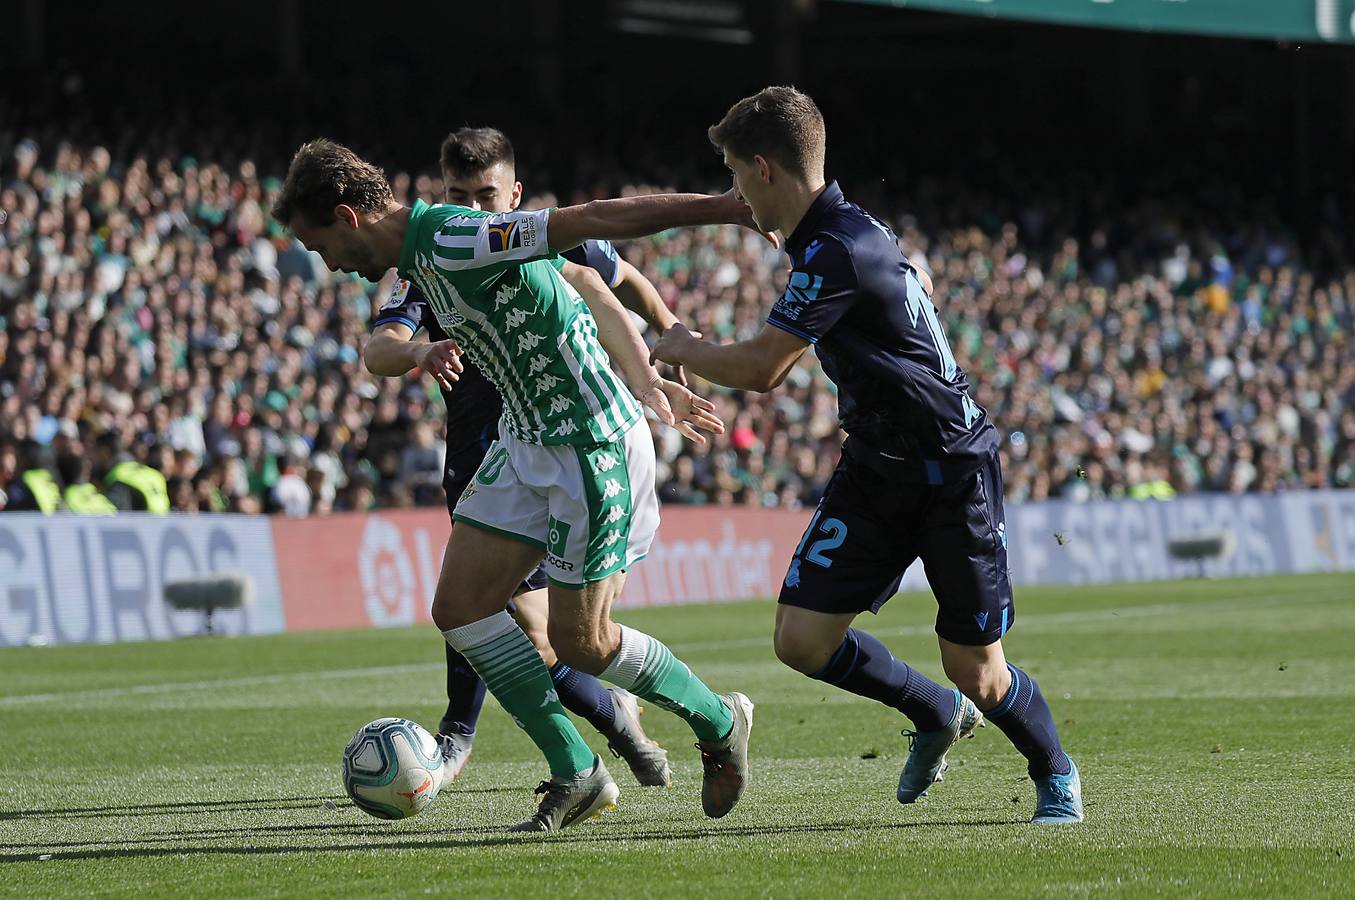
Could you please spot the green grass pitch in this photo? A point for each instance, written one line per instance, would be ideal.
(1214, 723)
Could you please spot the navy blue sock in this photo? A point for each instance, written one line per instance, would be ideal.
(465, 696)
(584, 696)
(865, 666)
(1024, 717)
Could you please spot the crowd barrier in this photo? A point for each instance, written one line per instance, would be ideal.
(69, 579)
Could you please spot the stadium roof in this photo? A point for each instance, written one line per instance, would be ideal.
(1311, 20)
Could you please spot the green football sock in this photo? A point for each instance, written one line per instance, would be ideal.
(648, 669)
(513, 671)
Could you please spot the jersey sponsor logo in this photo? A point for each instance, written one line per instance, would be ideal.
(504, 237)
(802, 291)
(448, 318)
(398, 293)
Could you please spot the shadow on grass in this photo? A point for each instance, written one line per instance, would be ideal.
(201, 806)
(164, 809)
(468, 838)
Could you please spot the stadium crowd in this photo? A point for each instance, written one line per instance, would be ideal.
(152, 316)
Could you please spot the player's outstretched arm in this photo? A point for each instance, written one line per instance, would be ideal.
(673, 403)
(392, 351)
(633, 217)
(758, 364)
(638, 295)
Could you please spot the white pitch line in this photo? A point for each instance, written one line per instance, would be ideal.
(1045, 621)
(1040, 621)
(251, 681)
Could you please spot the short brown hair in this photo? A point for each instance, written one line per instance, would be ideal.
(324, 175)
(469, 150)
(778, 123)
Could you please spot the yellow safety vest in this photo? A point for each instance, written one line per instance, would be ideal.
(148, 482)
(1152, 490)
(86, 499)
(43, 487)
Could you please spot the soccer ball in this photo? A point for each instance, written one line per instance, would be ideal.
(392, 768)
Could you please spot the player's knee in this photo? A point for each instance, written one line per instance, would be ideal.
(541, 642)
(982, 684)
(455, 609)
(581, 646)
(801, 652)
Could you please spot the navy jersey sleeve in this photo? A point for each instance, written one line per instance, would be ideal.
(822, 288)
(405, 305)
(599, 256)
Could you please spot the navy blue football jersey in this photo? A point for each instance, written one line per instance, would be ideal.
(856, 298)
(474, 406)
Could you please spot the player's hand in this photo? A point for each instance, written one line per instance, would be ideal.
(679, 407)
(671, 348)
(442, 360)
(741, 214)
(679, 372)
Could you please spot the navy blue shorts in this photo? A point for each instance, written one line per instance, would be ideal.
(871, 526)
(460, 469)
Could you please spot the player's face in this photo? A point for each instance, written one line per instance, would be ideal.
(492, 190)
(342, 245)
(753, 186)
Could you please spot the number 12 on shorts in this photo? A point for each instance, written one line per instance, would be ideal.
(835, 531)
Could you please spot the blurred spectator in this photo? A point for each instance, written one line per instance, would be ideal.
(155, 323)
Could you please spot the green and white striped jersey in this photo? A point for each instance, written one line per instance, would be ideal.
(494, 286)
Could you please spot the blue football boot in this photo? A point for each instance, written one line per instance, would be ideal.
(926, 763)
(1058, 798)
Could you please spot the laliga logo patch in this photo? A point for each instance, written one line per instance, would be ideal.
(397, 295)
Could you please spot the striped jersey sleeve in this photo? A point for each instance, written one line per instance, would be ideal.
(475, 241)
